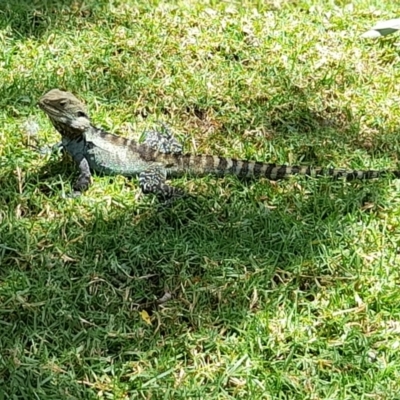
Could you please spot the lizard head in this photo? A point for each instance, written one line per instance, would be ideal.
(68, 114)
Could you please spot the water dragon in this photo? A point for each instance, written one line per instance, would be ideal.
(159, 156)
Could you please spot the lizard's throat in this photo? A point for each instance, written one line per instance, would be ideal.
(67, 131)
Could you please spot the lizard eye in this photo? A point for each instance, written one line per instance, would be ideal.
(81, 114)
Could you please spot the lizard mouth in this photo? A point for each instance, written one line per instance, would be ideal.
(41, 102)
(52, 112)
(45, 107)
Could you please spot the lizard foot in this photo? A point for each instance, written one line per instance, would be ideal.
(56, 149)
(163, 141)
(153, 181)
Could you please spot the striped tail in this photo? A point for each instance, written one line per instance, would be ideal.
(206, 164)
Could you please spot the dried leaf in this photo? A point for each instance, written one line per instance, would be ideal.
(145, 317)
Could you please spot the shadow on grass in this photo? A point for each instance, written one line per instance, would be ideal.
(71, 287)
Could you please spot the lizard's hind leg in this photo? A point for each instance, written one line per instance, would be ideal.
(163, 140)
(153, 181)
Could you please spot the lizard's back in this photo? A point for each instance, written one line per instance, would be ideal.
(113, 155)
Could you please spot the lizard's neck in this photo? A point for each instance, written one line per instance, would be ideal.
(68, 131)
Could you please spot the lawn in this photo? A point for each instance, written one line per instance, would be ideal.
(276, 290)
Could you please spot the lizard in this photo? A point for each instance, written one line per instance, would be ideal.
(159, 156)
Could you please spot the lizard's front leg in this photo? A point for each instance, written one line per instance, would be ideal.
(55, 149)
(153, 181)
(84, 178)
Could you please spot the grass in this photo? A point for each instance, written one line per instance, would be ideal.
(279, 291)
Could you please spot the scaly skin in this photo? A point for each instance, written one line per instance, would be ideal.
(159, 156)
